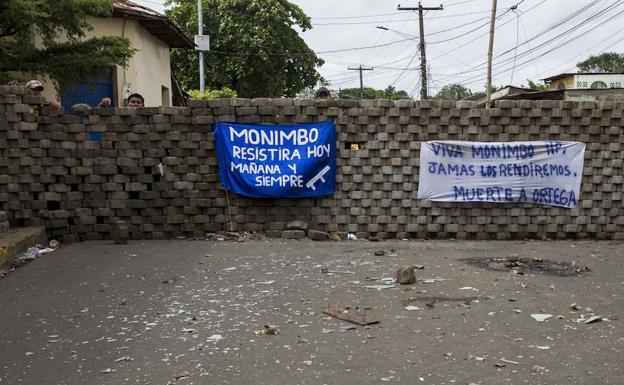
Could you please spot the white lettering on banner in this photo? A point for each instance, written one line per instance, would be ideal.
(253, 168)
(298, 137)
(543, 172)
(268, 160)
(282, 181)
(265, 154)
(318, 151)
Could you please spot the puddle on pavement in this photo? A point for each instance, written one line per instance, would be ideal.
(529, 265)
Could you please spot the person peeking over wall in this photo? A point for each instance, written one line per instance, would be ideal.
(323, 93)
(136, 100)
(35, 88)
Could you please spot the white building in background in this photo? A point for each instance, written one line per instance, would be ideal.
(584, 80)
(148, 73)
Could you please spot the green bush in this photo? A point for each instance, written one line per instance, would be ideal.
(223, 93)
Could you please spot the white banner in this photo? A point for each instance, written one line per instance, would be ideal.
(546, 173)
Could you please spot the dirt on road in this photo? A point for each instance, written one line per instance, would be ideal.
(194, 312)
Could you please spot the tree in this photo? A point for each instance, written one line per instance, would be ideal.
(370, 93)
(538, 87)
(452, 92)
(255, 48)
(605, 62)
(224, 93)
(62, 54)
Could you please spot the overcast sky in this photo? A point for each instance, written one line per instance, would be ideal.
(551, 36)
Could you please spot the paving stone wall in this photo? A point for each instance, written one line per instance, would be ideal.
(4, 222)
(77, 174)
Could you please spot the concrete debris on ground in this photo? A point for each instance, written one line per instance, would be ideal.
(98, 312)
(316, 235)
(405, 275)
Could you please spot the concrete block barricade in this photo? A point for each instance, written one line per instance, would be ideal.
(155, 169)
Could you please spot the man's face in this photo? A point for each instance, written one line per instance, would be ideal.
(135, 102)
(34, 91)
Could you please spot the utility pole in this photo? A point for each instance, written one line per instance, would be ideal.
(488, 92)
(360, 68)
(200, 32)
(423, 56)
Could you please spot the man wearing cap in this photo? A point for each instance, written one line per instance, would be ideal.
(323, 93)
(35, 88)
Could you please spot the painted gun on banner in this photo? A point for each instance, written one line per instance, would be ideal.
(316, 178)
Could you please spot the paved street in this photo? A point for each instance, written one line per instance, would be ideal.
(186, 312)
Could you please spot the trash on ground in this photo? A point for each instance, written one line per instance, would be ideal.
(433, 280)
(343, 314)
(468, 288)
(379, 253)
(325, 270)
(541, 317)
(587, 319)
(411, 308)
(214, 338)
(352, 237)
(542, 347)
(509, 361)
(383, 283)
(123, 359)
(380, 287)
(182, 374)
(188, 330)
(575, 306)
(268, 330)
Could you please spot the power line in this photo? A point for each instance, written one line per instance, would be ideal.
(379, 35)
(352, 17)
(454, 16)
(500, 25)
(584, 33)
(405, 69)
(540, 34)
(526, 37)
(587, 52)
(477, 28)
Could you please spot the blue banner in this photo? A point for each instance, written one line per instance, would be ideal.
(277, 161)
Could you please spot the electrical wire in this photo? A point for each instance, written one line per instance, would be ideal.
(584, 33)
(404, 69)
(526, 37)
(454, 16)
(478, 67)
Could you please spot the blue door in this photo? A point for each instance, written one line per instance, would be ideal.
(89, 93)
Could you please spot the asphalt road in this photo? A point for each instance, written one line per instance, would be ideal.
(186, 312)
